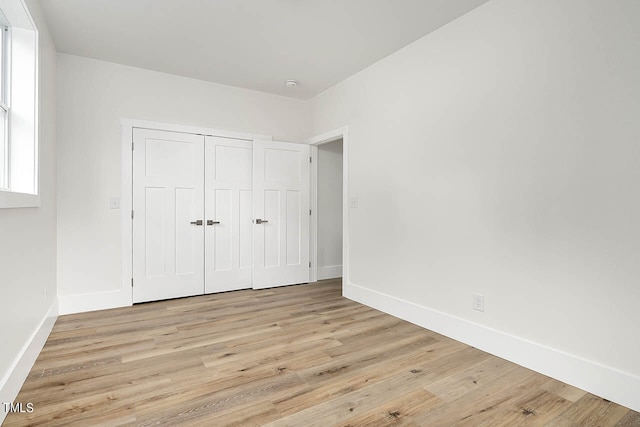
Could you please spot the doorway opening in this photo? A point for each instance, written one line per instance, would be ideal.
(329, 221)
(329, 210)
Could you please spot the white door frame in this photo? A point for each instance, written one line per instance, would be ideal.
(126, 191)
(340, 133)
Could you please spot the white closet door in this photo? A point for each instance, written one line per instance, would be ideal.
(228, 214)
(168, 200)
(281, 213)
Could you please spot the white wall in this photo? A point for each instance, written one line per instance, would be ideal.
(500, 155)
(330, 210)
(92, 98)
(28, 240)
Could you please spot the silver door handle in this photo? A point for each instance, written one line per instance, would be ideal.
(212, 222)
(198, 222)
(261, 221)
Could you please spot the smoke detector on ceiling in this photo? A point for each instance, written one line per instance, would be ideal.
(291, 83)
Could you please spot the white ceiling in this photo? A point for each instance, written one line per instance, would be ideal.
(254, 44)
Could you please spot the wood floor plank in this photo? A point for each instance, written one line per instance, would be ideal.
(397, 411)
(591, 410)
(205, 401)
(572, 394)
(468, 379)
(297, 355)
(339, 382)
(357, 404)
(534, 409)
(631, 419)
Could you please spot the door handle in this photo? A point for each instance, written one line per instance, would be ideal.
(198, 222)
(261, 221)
(212, 222)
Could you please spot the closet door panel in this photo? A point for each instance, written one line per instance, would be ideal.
(168, 199)
(281, 176)
(228, 207)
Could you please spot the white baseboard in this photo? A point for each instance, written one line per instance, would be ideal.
(604, 381)
(81, 303)
(16, 375)
(329, 272)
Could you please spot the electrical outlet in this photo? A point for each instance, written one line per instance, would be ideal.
(478, 302)
(353, 202)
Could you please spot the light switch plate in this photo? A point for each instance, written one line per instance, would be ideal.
(114, 203)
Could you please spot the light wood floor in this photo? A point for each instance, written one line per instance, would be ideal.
(292, 356)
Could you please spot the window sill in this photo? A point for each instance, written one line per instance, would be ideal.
(10, 199)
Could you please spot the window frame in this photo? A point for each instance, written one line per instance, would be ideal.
(5, 85)
(19, 185)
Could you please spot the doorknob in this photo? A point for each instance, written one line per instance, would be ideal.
(198, 222)
(261, 221)
(211, 222)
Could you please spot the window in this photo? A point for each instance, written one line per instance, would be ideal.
(18, 106)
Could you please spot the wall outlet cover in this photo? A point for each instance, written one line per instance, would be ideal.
(478, 302)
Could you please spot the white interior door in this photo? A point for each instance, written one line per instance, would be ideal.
(228, 214)
(168, 200)
(281, 213)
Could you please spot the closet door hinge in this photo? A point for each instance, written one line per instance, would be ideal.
(309, 267)
(131, 213)
(132, 145)
(309, 159)
(309, 211)
(132, 282)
